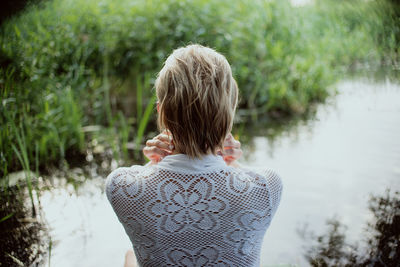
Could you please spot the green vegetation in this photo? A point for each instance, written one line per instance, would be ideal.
(73, 71)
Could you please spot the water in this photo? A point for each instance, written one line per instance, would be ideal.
(329, 164)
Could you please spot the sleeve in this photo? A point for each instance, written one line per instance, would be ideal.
(273, 183)
(275, 187)
(119, 178)
(112, 182)
(126, 183)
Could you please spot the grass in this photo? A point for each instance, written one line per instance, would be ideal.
(67, 65)
(144, 119)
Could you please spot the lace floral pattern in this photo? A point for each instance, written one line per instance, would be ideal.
(205, 256)
(187, 205)
(125, 181)
(198, 214)
(142, 243)
(251, 224)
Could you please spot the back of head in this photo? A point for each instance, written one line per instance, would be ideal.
(197, 96)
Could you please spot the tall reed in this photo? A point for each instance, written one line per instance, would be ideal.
(22, 155)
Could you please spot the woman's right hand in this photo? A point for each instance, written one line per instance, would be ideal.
(159, 147)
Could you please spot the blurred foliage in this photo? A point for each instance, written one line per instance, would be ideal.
(11, 8)
(382, 242)
(70, 64)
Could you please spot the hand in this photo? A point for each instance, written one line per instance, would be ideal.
(232, 150)
(159, 147)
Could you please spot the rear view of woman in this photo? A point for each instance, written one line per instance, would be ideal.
(193, 205)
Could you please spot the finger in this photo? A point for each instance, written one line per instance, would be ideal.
(229, 148)
(228, 151)
(167, 132)
(232, 152)
(236, 144)
(160, 152)
(159, 144)
(229, 159)
(153, 152)
(148, 152)
(229, 137)
(165, 138)
(231, 142)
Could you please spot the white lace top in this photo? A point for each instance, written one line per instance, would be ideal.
(201, 212)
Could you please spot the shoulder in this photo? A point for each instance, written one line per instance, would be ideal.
(127, 180)
(269, 179)
(273, 179)
(267, 175)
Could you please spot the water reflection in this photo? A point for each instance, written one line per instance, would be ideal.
(381, 247)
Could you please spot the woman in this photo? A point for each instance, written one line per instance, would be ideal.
(192, 204)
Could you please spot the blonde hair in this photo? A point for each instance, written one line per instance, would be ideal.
(197, 98)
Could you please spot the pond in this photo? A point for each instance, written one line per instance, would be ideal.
(330, 163)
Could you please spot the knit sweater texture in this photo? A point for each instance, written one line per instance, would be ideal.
(194, 212)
